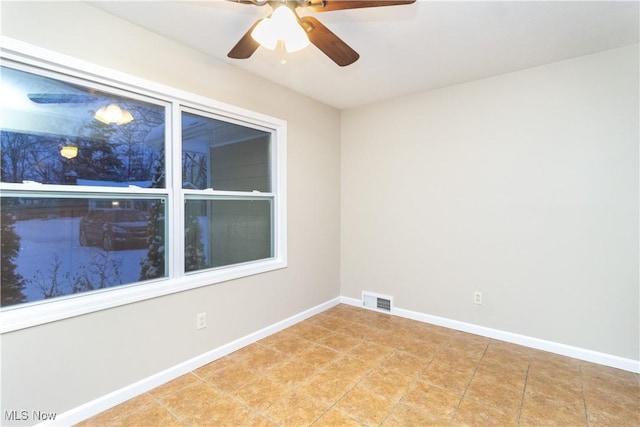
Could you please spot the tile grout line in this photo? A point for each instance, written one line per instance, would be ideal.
(469, 383)
(524, 390)
(584, 397)
(409, 388)
(348, 390)
(341, 354)
(166, 408)
(365, 375)
(131, 411)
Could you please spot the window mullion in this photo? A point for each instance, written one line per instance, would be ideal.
(176, 226)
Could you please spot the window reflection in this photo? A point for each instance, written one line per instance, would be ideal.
(224, 156)
(61, 246)
(53, 133)
(226, 232)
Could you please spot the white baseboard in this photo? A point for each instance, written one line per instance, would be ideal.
(539, 344)
(116, 397)
(112, 399)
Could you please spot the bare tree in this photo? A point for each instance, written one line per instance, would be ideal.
(15, 152)
(102, 271)
(50, 285)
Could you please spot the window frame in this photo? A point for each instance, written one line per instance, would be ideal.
(35, 313)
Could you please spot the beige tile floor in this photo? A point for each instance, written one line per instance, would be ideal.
(354, 367)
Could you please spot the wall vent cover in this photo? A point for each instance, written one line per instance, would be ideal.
(377, 302)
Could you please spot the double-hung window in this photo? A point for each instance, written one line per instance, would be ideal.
(113, 192)
(227, 187)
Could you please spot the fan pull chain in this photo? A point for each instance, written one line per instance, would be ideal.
(283, 52)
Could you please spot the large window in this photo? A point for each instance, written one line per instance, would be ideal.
(65, 245)
(117, 193)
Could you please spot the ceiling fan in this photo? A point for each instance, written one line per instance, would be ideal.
(319, 35)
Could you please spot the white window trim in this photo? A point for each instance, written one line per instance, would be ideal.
(26, 315)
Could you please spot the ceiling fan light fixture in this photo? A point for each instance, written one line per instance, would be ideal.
(113, 114)
(282, 25)
(69, 151)
(265, 34)
(295, 39)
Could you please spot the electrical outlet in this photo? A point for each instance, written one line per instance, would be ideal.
(477, 297)
(201, 321)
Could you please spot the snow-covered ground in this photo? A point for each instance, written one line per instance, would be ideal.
(42, 240)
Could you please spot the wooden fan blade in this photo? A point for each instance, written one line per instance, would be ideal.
(330, 5)
(328, 42)
(245, 46)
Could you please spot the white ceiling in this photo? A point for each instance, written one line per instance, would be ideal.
(403, 49)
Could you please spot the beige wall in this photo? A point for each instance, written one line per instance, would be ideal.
(64, 364)
(523, 186)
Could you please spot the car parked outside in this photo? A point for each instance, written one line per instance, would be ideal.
(114, 229)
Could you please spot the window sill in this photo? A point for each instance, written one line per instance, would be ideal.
(28, 315)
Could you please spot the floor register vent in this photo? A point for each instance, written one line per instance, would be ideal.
(377, 302)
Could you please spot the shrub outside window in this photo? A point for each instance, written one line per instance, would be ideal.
(94, 204)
